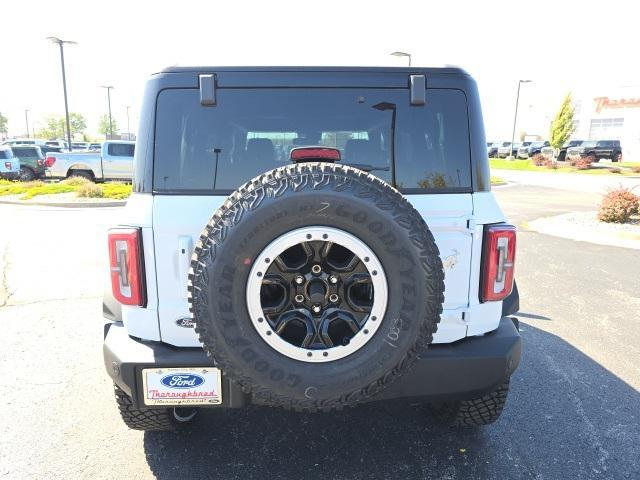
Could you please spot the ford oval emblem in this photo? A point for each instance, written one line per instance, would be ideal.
(185, 322)
(182, 380)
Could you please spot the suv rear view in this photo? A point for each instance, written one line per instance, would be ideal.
(31, 161)
(312, 239)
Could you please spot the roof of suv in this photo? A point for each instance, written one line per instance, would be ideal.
(425, 70)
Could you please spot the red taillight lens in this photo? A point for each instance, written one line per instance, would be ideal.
(49, 161)
(498, 260)
(315, 153)
(8, 165)
(126, 265)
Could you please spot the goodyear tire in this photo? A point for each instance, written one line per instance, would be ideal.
(314, 286)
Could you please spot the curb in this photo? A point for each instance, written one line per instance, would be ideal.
(115, 203)
(612, 239)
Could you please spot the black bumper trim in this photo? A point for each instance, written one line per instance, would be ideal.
(467, 368)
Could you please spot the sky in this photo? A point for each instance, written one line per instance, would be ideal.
(562, 46)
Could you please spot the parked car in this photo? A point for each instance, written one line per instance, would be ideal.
(80, 146)
(23, 141)
(562, 152)
(46, 149)
(529, 149)
(113, 162)
(492, 149)
(31, 161)
(57, 143)
(312, 287)
(508, 150)
(9, 164)
(596, 150)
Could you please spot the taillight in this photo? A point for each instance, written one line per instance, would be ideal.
(8, 165)
(126, 265)
(498, 260)
(49, 161)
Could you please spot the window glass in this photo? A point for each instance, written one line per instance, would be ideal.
(121, 149)
(5, 154)
(25, 152)
(252, 131)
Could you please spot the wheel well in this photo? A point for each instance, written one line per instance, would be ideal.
(73, 170)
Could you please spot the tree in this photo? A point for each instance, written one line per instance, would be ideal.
(54, 127)
(562, 126)
(77, 123)
(3, 124)
(103, 126)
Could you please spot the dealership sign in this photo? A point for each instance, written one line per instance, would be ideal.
(606, 102)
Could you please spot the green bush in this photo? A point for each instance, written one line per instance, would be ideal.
(618, 206)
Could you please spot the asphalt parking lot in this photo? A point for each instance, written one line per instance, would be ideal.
(572, 412)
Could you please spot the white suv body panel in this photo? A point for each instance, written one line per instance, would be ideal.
(455, 219)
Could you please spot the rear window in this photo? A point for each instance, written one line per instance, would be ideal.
(121, 149)
(27, 152)
(5, 154)
(249, 131)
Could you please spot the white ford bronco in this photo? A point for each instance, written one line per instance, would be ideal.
(313, 239)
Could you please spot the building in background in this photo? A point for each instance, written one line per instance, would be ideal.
(610, 114)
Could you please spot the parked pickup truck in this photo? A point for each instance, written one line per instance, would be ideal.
(114, 161)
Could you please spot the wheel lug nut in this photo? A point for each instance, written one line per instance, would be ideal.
(333, 279)
(333, 298)
(316, 269)
(299, 298)
(299, 279)
(316, 308)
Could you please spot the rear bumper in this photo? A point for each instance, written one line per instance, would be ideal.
(10, 175)
(465, 369)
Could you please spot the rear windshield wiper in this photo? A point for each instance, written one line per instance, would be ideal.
(367, 167)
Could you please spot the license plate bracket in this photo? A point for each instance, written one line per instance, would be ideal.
(182, 386)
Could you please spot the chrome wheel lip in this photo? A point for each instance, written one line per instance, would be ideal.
(307, 234)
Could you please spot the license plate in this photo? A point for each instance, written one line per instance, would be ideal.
(182, 386)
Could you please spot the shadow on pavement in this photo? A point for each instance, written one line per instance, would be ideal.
(566, 417)
(533, 316)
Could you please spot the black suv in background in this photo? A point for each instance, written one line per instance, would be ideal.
(562, 153)
(597, 150)
(529, 149)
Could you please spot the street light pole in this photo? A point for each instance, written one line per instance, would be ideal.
(128, 131)
(402, 54)
(26, 119)
(64, 82)
(515, 117)
(109, 87)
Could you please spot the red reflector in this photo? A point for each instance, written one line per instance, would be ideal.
(125, 263)
(498, 259)
(49, 161)
(315, 153)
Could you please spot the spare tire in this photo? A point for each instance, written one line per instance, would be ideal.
(314, 286)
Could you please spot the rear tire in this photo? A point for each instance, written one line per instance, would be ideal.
(474, 412)
(151, 420)
(26, 174)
